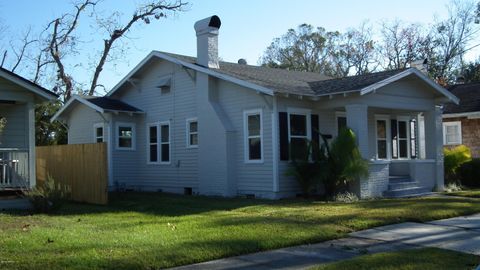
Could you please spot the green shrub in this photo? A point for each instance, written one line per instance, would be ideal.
(333, 164)
(453, 159)
(47, 197)
(469, 173)
(304, 169)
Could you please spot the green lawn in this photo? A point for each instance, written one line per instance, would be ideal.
(472, 193)
(425, 259)
(142, 230)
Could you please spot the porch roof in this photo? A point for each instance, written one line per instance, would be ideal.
(31, 86)
(99, 104)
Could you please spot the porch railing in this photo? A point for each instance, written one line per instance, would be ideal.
(14, 168)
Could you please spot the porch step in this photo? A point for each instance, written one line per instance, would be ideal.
(401, 186)
(15, 204)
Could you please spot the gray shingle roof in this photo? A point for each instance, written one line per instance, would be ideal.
(294, 82)
(469, 95)
(111, 104)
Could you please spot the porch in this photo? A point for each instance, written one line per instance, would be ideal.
(14, 169)
(404, 149)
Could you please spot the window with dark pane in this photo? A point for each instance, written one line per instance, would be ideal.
(99, 134)
(381, 139)
(341, 122)
(192, 133)
(402, 139)
(165, 142)
(125, 137)
(298, 136)
(254, 138)
(153, 142)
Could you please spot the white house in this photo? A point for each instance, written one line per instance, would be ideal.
(18, 97)
(183, 124)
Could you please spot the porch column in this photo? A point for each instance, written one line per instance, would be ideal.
(32, 177)
(434, 143)
(357, 120)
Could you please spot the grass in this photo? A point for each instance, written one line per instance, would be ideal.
(425, 259)
(472, 193)
(143, 231)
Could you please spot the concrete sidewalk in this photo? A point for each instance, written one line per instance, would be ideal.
(459, 234)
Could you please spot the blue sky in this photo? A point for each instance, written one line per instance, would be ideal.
(248, 26)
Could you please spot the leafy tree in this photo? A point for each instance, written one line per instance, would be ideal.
(471, 72)
(46, 132)
(304, 49)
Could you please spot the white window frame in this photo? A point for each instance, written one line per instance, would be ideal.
(117, 137)
(338, 115)
(160, 143)
(405, 119)
(246, 136)
(385, 118)
(95, 127)
(458, 124)
(189, 132)
(149, 144)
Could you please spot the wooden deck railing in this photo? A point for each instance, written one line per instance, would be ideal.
(14, 168)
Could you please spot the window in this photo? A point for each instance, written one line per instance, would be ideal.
(152, 143)
(192, 133)
(298, 134)
(125, 136)
(341, 121)
(413, 138)
(98, 133)
(381, 138)
(253, 135)
(158, 143)
(165, 142)
(402, 139)
(452, 133)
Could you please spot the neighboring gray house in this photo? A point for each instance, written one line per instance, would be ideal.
(182, 124)
(18, 97)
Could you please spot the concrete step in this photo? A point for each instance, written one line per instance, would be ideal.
(17, 203)
(402, 185)
(399, 179)
(406, 192)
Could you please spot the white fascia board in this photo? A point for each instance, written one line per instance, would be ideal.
(472, 115)
(396, 77)
(198, 68)
(28, 86)
(69, 103)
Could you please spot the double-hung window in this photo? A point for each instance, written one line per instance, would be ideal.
(298, 135)
(192, 133)
(152, 143)
(253, 136)
(382, 141)
(98, 132)
(452, 133)
(165, 142)
(158, 143)
(125, 136)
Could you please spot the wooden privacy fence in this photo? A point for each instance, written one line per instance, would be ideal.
(81, 167)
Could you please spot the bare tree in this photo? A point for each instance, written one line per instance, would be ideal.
(400, 44)
(453, 37)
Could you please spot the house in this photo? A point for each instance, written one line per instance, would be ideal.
(199, 125)
(461, 123)
(18, 97)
